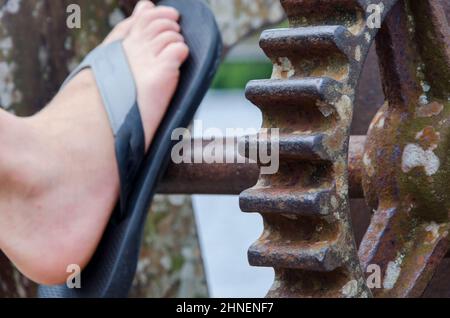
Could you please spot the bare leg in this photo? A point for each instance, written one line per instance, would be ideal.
(58, 175)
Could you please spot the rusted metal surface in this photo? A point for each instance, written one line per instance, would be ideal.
(227, 179)
(209, 176)
(355, 166)
(406, 171)
(308, 238)
(369, 94)
(233, 178)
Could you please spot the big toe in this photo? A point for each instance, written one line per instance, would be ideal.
(122, 30)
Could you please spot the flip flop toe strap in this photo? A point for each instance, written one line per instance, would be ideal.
(117, 88)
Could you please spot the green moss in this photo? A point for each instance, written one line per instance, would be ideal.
(177, 263)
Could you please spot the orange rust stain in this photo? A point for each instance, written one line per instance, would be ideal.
(428, 138)
(336, 141)
(340, 168)
(430, 110)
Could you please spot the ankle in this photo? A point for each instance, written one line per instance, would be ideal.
(17, 152)
(10, 134)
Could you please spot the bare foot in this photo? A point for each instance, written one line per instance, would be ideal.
(58, 174)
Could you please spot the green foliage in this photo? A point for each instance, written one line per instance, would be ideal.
(235, 75)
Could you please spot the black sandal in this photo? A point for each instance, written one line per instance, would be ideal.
(111, 271)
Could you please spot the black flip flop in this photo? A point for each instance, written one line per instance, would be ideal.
(111, 271)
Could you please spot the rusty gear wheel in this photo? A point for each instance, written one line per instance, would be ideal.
(308, 237)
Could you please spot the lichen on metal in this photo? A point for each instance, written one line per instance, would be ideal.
(407, 181)
(307, 236)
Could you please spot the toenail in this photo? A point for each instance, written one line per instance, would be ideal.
(174, 11)
(141, 5)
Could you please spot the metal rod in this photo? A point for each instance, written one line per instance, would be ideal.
(233, 178)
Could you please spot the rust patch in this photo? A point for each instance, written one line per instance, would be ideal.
(429, 110)
(428, 138)
(336, 141)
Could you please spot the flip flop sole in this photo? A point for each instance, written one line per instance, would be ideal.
(111, 271)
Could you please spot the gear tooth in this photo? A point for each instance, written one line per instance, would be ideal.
(291, 146)
(315, 202)
(318, 256)
(307, 41)
(295, 92)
